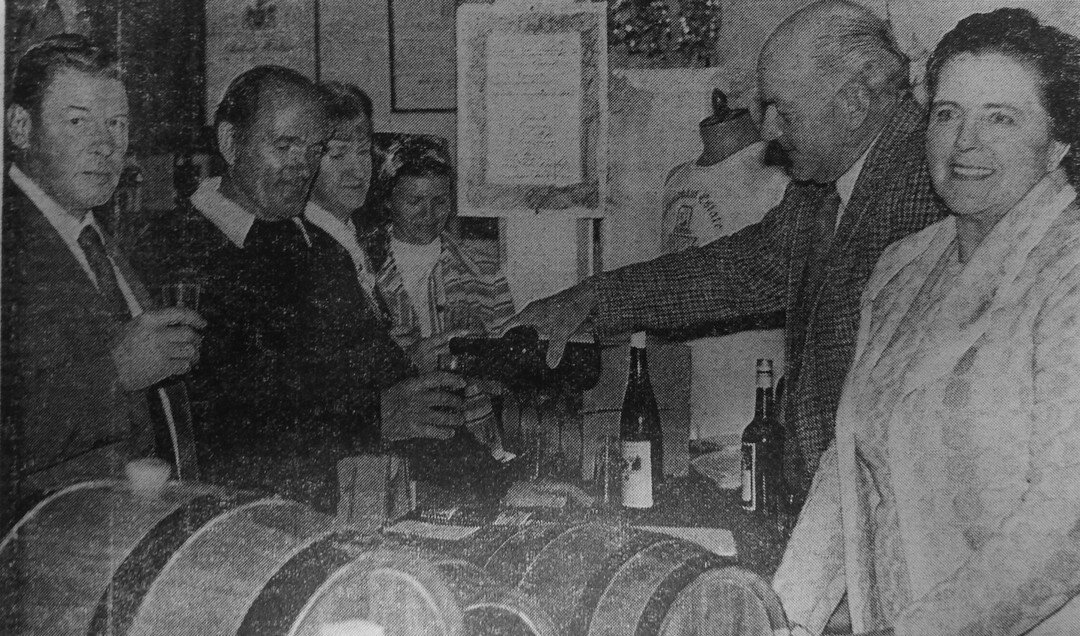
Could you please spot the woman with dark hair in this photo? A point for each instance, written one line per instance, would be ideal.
(432, 284)
(949, 503)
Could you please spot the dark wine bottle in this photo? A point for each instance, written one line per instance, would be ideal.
(519, 360)
(640, 435)
(761, 446)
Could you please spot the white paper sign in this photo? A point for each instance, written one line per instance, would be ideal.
(533, 95)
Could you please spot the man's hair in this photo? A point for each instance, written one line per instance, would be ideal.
(240, 104)
(846, 41)
(1052, 54)
(858, 44)
(346, 102)
(39, 65)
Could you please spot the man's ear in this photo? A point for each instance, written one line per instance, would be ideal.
(854, 101)
(226, 141)
(19, 126)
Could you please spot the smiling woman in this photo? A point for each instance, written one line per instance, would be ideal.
(950, 500)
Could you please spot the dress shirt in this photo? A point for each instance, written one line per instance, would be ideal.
(227, 215)
(69, 228)
(845, 185)
(344, 232)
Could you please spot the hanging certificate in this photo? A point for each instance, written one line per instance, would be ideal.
(532, 108)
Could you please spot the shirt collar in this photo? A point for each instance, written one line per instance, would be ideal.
(344, 232)
(227, 215)
(845, 185)
(62, 221)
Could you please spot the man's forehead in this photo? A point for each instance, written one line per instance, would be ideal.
(74, 88)
(285, 111)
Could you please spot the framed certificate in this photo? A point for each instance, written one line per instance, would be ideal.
(532, 108)
(422, 55)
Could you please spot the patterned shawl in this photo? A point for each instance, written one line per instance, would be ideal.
(949, 502)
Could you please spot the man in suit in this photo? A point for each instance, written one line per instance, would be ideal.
(836, 83)
(298, 371)
(81, 342)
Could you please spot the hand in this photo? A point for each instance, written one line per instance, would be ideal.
(423, 406)
(156, 345)
(558, 317)
(425, 352)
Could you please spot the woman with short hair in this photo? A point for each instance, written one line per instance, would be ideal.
(949, 503)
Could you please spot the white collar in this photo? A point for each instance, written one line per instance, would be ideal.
(845, 185)
(229, 216)
(342, 231)
(66, 225)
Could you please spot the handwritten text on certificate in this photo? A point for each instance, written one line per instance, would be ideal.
(533, 94)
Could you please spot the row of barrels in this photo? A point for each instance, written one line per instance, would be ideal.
(97, 559)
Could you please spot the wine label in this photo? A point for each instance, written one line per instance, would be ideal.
(637, 481)
(749, 472)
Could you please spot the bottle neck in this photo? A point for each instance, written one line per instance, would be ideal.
(639, 365)
(763, 403)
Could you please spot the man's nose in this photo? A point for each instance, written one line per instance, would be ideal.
(770, 125)
(102, 140)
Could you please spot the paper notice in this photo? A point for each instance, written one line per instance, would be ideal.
(533, 99)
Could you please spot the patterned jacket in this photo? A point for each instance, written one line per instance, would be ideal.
(465, 287)
(757, 272)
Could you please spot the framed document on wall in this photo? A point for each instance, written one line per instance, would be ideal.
(423, 61)
(532, 108)
(241, 34)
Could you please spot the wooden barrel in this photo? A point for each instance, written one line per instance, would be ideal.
(95, 558)
(86, 558)
(590, 578)
(726, 602)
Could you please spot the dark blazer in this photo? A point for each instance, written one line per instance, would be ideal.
(293, 357)
(759, 270)
(64, 415)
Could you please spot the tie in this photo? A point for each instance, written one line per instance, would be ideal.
(101, 266)
(821, 237)
(170, 412)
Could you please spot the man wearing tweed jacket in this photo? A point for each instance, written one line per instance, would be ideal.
(836, 84)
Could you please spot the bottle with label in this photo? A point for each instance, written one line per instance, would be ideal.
(640, 436)
(761, 446)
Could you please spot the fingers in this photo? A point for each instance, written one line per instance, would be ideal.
(173, 316)
(183, 351)
(436, 380)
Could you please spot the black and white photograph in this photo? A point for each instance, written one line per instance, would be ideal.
(540, 318)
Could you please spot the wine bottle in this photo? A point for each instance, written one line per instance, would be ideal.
(640, 436)
(518, 360)
(760, 452)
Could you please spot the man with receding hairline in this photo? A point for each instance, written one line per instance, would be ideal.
(298, 371)
(834, 84)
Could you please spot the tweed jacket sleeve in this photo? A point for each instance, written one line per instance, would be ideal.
(740, 276)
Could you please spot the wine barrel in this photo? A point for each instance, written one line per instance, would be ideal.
(95, 558)
(85, 559)
(590, 578)
(726, 602)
